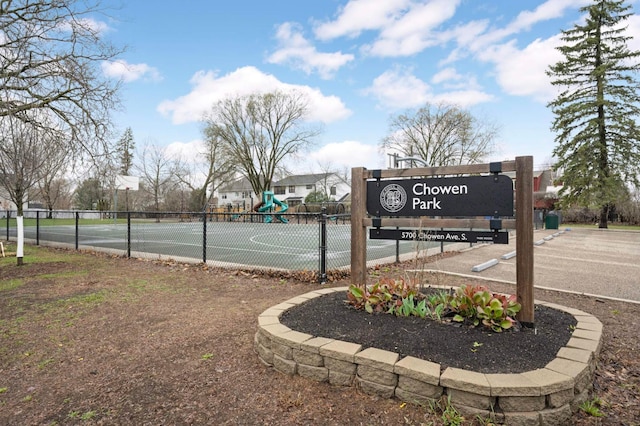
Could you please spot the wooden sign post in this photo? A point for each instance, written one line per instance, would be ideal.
(406, 198)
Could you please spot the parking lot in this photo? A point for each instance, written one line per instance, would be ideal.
(593, 261)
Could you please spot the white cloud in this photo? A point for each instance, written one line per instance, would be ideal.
(414, 31)
(208, 88)
(294, 49)
(551, 9)
(462, 98)
(344, 154)
(360, 15)
(633, 29)
(446, 74)
(523, 72)
(548, 10)
(121, 69)
(88, 24)
(399, 88)
(190, 152)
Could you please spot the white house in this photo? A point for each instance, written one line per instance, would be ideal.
(292, 190)
(237, 194)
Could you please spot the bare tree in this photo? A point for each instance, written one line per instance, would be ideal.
(443, 135)
(52, 186)
(55, 192)
(52, 51)
(157, 174)
(213, 170)
(259, 131)
(24, 151)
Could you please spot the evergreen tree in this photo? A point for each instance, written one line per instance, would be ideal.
(126, 147)
(598, 142)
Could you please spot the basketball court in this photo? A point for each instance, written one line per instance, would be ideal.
(261, 245)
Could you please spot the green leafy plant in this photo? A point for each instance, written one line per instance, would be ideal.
(473, 304)
(450, 416)
(439, 303)
(88, 415)
(384, 296)
(477, 304)
(592, 407)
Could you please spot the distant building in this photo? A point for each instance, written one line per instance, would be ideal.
(237, 194)
(292, 190)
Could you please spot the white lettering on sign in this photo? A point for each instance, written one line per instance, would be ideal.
(423, 189)
(433, 204)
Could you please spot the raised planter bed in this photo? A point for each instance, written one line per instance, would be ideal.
(546, 396)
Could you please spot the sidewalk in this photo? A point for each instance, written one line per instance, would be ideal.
(592, 261)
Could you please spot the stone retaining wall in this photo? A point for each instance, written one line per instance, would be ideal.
(546, 396)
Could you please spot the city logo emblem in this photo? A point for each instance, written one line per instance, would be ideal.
(393, 198)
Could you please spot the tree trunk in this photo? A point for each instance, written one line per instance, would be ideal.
(604, 215)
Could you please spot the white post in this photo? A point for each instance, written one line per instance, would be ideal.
(20, 246)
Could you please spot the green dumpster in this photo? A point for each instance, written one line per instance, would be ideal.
(551, 221)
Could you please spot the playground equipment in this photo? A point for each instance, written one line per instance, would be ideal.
(267, 205)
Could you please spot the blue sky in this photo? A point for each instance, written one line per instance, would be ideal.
(359, 61)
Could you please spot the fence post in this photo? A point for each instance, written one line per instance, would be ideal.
(77, 230)
(204, 238)
(37, 227)
(358, 230)
(524, 239)
(397, 248)
(322, 277)
(128, 234)
(8, 217)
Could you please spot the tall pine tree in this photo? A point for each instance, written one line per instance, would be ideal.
(126, 147)
(598, 142)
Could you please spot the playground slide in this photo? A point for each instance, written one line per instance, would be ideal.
(283, 208)
(268, 200)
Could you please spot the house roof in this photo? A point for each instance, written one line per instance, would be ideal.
(239, 185)
(302, 179)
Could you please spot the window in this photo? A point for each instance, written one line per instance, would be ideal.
(309, 186)
(279, 190)
(333, 190)
(292, 189)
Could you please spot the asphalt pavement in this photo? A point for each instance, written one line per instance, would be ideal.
(592, 261)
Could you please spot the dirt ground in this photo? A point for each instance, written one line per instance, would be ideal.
(92, 339)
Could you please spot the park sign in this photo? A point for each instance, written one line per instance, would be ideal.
(490, 195)
(494, 236)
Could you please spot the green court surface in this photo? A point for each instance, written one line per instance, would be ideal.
(262, 245)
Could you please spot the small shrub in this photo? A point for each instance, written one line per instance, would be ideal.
(473, 304)
(592, 407)
(384, 296)
(477, 305)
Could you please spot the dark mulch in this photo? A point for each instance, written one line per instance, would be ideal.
(447, 343)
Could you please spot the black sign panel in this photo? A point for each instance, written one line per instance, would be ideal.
(457, 196)
(496, 237)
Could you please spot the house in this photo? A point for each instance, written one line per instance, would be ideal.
(237, 194)
(294, 189)
(5, 202)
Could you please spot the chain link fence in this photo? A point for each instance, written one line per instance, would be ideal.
(301, 241)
